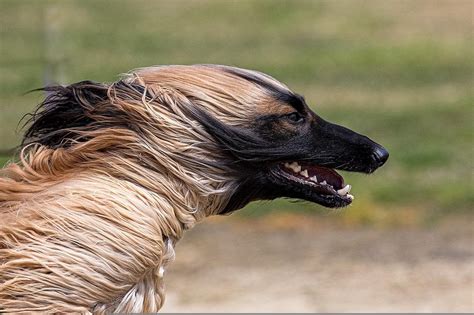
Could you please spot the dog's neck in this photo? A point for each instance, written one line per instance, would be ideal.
(115, 211)
(175, 206)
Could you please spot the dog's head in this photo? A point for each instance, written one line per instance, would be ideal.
(218, 129)
(273, 143)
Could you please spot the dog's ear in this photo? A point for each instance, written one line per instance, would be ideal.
(68, 111)
(64, 109)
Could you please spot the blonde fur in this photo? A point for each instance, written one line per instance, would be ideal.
(90, 227)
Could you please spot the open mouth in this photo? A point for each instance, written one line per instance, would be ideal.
(321, 184)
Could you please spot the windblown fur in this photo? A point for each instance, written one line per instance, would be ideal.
(110, 176)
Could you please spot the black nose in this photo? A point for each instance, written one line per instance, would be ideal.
(380, 156)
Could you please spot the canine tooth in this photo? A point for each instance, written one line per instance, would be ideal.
(323, 183)
(344, 191)
(287, 165)
(350, 196)
(304, 173)
(314, 179)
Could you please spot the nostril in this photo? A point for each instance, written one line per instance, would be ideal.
(380, 156)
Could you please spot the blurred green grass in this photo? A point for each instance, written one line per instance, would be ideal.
(3, 160)
(398, 71)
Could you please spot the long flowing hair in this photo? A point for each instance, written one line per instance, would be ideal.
(109, 177)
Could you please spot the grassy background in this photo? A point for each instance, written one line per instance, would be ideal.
(398, 71)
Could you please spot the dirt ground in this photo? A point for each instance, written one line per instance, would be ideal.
(228, 265)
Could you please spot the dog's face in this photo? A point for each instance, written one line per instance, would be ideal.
(306, 150)
(287, 150)
(274, 144)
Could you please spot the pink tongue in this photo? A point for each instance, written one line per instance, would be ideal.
(326, 174)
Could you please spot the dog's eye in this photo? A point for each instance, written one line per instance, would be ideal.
(295, 117)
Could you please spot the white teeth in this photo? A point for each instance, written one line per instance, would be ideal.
(294, 166)
(344, 191)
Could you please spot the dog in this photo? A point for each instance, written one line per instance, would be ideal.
(109, 176)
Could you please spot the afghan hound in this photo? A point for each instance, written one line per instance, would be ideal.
(109, 176)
